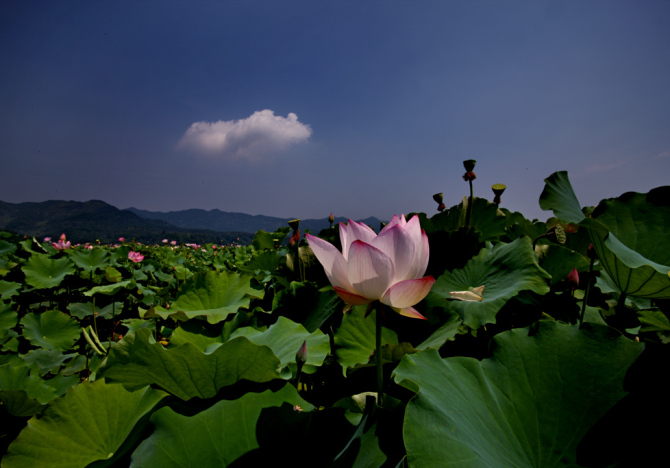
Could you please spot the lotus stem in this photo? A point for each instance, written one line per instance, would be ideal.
(468, 214)
(586, 293)
(378, 355)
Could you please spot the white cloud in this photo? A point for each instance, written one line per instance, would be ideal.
(261, 133)
(600, 168)
(663, 155)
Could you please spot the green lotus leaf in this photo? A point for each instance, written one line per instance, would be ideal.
(486, 219)
(266, 261)
(8, 320)
(304, 303)
(559, 197)
(43, 272)
(110, 289)
(197, 332)
(215, 437)
(355, 338)
(6, 247)
(213, 295)
(47, 360)
(528, 405)
(184, 371)
(285, 338)
(446, 332)
(87, 309)
(267, 240)
(51, 330)
(8, 289)
(90, 260)
(18, 378)
(559, 261)
(504, 270)
(631, 234)
(88, 424)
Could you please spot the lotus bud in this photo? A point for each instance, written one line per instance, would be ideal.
(331, 218)
(573, 278)
(301, 355)
(498, 190)
(439, 199)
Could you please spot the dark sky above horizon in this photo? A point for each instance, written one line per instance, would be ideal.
(298, 109)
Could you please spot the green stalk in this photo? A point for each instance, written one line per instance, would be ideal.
(378, 355)
(468, 214)
(586, 293)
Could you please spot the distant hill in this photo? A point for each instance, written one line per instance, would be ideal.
(217, 220)
(96, 220)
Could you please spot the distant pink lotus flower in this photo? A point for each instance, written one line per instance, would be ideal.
(385, 267)
(47, 239)
(61, 244)
(164, 241)
(173, 242)
(122, 239)
(135, 256)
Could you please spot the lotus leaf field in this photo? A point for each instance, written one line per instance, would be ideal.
(544, 344)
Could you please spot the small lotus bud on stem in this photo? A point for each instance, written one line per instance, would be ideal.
(591, 252)
(331, 219)
(300, 359)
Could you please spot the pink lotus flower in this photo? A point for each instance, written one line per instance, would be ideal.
(135, 256)
(173, 242)
(385, 267)
(61, 244)
(164, 241)
(122, 239)
(47, 239)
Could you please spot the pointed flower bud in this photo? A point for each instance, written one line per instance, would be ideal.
(301, 355)
(331, 218)
(573, 278)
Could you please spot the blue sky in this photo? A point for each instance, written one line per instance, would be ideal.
(303, 108)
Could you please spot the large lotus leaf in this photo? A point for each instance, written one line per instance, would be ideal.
(184, 371)
(89, 423)
(285, 338)
(559, 261)
(44, 272)
(214, 295)
(18, 378)
(8, 320)
(528, 405)
(215, 437)
(486, 219)
(82, 310)
(8, 289)
(51, 330)
(559, 197)
(504, 270)
(46, 360)
(446, 332)
(631, 234)
(110, 289)
(355, 338)
(90, 260)
(304, 303)
(6, 247)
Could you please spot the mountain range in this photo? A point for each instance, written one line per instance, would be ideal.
(96, 220)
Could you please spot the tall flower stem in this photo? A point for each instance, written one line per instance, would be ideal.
(468, 215)
(378, 356)
(586, 293)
